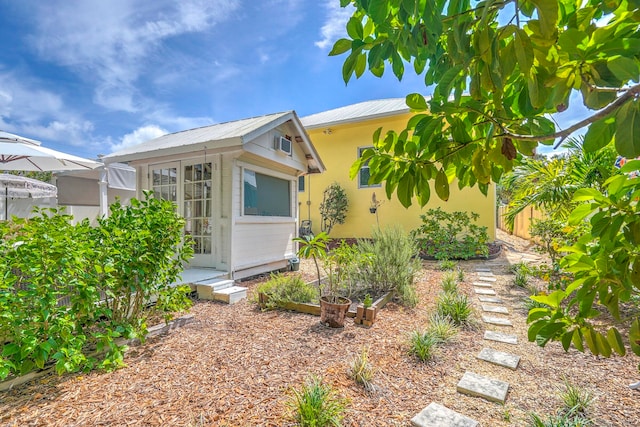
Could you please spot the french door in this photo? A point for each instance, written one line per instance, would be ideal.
(190, 185)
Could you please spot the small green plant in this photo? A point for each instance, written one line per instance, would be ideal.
(576, 399)
(451, 235)
(506, 415)
(314, 247)
(368, 301)
(361, 371)
(447, 265)
(522, 272)
(460, 275)
(441, 328)
(317, 405)
(560, 420)
(422, 345)
(449, 282)
(455, 306)
(281, 290)
(333, 208)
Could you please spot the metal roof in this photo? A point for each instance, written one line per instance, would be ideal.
(213, 133)
(356, 112)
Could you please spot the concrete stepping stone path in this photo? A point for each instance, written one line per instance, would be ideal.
(500, 337)
(488, 388)
(493, 300)
(499, 358)
(487, 279)
(483, 270)
(482, 284)
(436, 415)
(485, 274)
(497, 321)
(482, 291)
(495, 309)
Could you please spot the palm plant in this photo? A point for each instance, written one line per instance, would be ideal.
(313, 247)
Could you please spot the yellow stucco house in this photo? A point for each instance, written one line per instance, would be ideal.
(339, 136)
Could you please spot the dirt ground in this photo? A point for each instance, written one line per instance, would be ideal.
(236, 366)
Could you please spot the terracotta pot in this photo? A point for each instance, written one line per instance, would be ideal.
(333, 314)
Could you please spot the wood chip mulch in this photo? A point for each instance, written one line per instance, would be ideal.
(236, 366)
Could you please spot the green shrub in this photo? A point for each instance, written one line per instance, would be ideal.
(522, 272)
(560, 420)
(460, 275)
(333, 208)
(361, 371)
(447, 265)
(67, 290)
(281, 290)
(391, 264)
(455, 306)
(317, 405)
(449, 282)
(441, 328)
(422, 345)
(576, 399)
(451, 235)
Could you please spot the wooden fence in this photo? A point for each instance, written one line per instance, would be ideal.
(521, 223)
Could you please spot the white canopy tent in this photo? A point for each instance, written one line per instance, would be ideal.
(25, 193)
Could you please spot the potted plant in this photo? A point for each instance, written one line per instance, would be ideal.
(366, 314)
(333, 307)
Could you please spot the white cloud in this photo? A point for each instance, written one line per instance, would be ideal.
(335, 23)
(114, 43)
(142, 134)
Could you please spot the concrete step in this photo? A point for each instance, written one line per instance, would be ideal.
(493, 300)
(499, 358)
(485, 273)
(495, 309)
(488, 388)
(487, 279)
(483, 270)
(217, 284)
(500, 337)
(497, 321)
(230, 295)
(436, 415)
(482, 291)
(482, 284)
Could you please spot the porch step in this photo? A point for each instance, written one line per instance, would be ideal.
(221, 290)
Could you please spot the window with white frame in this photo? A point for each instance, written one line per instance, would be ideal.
(266, 195)
(364, 174)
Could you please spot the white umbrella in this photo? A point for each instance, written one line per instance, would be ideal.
(24, 154)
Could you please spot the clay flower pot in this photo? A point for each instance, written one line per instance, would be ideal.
(332, 314)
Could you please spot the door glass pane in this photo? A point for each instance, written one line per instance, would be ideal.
(197, 206)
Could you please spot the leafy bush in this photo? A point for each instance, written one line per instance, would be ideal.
(333, 208)
(281, 289)
(521, 271)
(391, 264)
(317, 405)
(422, 345)
(68, 290)
(361, 370)
(451, 235)
(455, 306)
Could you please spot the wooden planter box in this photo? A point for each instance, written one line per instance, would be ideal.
(367, 316)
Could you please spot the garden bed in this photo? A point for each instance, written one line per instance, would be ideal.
(494, 249)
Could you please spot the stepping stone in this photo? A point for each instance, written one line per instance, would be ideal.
(495, 309)
(482, 285)
(500, 358)
(488, 388)
(483, 270)
(497, 321)
(492, 300)
(485, 274)
(436, 415)
(480, 291)
(500, 337)
(487, 279)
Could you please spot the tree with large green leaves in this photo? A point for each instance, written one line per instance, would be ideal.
(499, 70)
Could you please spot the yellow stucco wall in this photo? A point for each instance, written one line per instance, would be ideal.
(338, 149)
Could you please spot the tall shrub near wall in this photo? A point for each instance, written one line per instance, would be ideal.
(54, 278)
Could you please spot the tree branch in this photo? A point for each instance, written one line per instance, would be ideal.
(563, 134)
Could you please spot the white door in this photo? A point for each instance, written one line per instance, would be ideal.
(189, 186)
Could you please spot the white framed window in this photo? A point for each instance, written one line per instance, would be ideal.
(364, 174)
(266, 195)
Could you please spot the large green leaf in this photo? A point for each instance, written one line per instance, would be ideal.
(615, 341)
(523, 49)
(634, 336)
(628, 130)
(354, 29)
(340, 47)
(600, 134)
(548, 16)
(442, 185)
(624, 68)
(415, 101)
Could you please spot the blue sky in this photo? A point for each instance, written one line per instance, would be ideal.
(91, 76)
